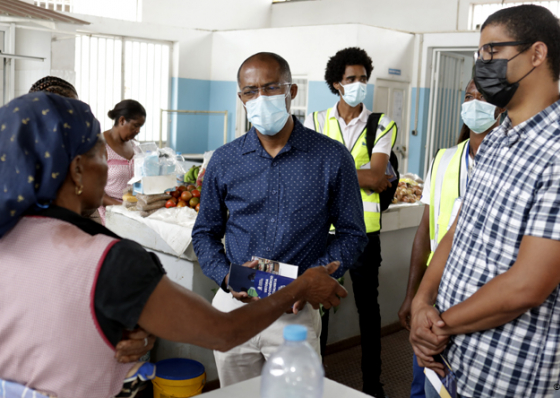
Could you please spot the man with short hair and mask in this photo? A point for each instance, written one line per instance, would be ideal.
(494, 278)
(347, 74)
(444, 187)
(283, 186)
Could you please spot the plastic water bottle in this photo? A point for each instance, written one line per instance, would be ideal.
(295, 370)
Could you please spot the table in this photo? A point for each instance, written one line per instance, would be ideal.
(251, 388)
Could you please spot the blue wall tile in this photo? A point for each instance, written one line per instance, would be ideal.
(369, 96)
(319, 96)
(189, 133)
(200, 133)
(223, 97)
(171, 135)
(417, 144)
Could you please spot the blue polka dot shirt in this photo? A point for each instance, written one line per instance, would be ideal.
(280, 208)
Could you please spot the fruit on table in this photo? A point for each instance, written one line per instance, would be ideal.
(192, 174)
(183, 196)
(170, 203)
(186, 196)
(197, 208)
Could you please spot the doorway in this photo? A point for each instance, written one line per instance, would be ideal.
(451, 71)
(391, 97)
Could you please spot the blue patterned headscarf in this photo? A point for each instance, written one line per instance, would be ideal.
(40, 134)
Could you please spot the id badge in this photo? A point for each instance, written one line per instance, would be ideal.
(454, 211)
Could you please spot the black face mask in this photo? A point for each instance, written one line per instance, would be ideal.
(490, 80)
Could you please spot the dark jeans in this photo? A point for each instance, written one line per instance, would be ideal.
(365, 282)
(418, 380)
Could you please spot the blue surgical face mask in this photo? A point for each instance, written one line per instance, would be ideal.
(268, 113)
(354, 93)
(478, 115)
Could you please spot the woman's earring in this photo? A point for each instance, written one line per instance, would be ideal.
(79, 189)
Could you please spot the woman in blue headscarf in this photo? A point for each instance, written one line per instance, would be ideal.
(70, 287)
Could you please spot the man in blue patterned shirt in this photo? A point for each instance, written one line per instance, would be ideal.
(283, 186)
(497, 315)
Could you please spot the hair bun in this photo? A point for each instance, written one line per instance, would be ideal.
(111, 114)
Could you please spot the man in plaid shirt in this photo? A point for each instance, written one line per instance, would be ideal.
(495, 276)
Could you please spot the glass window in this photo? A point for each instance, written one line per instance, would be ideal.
(479, 12)
(128, 10)
(110, 69)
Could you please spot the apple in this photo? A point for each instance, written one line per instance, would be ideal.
(186, 196)
(193, 202)
(181, 203)
(169, 204)
(195, 193)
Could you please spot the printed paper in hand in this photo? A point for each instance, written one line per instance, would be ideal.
(446, 386)
(269, 277)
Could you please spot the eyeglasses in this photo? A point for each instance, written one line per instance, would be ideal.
(486, 52)
(250, 93)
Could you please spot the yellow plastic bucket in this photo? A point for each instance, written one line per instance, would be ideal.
(178, 378)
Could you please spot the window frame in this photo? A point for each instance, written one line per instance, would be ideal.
(120, 67)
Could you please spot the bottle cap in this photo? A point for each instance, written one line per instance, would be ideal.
(295, 333)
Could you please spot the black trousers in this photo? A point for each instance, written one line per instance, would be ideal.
(365, 282)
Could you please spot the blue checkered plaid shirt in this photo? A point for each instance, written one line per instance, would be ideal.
(515, 191)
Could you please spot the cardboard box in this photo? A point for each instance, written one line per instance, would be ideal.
(153, 185)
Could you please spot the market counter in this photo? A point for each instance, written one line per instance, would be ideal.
(183, 270)
(399, 225)
(398, 228)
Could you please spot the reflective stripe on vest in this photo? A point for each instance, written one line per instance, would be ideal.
(447, 184)
(329, 126)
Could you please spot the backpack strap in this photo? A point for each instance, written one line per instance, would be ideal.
(371, 125)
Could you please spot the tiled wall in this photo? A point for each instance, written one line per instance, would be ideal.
(200, 133)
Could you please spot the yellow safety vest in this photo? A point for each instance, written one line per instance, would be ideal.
(447, 184)
(327, 124)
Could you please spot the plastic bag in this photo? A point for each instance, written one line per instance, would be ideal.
(158, 162)
(409, 190)
(206, 159)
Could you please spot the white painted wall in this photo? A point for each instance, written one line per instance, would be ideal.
(192, 46)
(32, 43)
(405, 15)
(212, 15)
(457, 41)
(308, 48)
(388, 49)
(63, 50)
